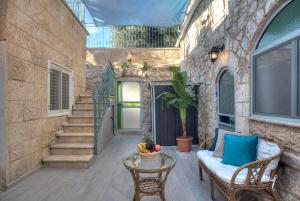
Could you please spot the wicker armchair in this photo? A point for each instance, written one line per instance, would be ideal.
(253, 180)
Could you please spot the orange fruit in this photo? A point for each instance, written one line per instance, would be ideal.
(157, 148)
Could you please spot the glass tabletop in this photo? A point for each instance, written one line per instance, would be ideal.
(163, 162)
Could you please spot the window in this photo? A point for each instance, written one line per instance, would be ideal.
(273, 82)
(59, 90)
(226, 100)
(285, 22)
(275, 70)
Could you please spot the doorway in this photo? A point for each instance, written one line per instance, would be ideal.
(166, 123)
(129, 105)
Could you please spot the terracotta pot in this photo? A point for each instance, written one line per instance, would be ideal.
(184, 143)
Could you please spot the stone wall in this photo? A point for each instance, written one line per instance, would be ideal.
(36, 32)
(3, 9)
(289, 136)
(3, 72)
(158, 57)
(158, 60)
(237, 24)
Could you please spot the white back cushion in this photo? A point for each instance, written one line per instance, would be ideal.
(267, 149)
(224, 172)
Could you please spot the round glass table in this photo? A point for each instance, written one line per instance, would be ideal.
(149, 176)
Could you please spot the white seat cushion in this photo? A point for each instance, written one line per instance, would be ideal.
(267, 149)
(224, 172)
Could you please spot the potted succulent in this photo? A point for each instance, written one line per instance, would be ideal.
(183, 97)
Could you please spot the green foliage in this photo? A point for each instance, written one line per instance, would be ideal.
(145, 66)
(145, 69)
(140, 36)
(183, 97)
(148, 138)
(124, 66)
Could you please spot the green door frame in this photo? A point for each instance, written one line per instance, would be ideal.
(120, 104)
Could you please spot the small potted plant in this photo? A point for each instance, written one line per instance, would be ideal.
(148, 149)
(182, 98)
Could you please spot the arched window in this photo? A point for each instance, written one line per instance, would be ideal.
(226, 103)
(275, 66)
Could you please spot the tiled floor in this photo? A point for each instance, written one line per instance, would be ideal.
(108, 180)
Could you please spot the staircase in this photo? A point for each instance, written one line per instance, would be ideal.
(74, 147)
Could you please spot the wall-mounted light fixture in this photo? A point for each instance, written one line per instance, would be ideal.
(214, 52)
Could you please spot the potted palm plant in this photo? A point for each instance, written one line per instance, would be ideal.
(181, 99)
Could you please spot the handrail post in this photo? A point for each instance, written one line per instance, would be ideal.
(95, 125)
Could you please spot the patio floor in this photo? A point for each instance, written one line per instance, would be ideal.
(108, 180)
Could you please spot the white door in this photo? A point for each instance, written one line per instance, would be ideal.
(129, 107)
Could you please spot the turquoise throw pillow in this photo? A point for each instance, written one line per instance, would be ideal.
(213, 146)
(239, 150)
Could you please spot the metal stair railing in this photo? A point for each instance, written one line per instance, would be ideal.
(101, 101)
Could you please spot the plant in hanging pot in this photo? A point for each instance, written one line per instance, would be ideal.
(182, 98)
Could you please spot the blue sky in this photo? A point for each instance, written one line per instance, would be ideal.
(99, 36)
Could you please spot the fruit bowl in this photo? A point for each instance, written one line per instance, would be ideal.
(149, 156)
(148, 153)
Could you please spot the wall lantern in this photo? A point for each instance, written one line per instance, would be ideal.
(214, 52)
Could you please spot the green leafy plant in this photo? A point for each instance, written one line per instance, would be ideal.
(149, 141)
(145, 68)
(140, 36)
(183, 97)
(124, 66)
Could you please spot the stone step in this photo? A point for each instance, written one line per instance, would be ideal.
(80, 119)
(72, 149)
(87, 93)
(85, 105)
(77, 128)
(74, 137)
(128, 132)
(68, 161)
(82, 112)
(84, 98)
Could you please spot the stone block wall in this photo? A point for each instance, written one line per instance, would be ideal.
(158, 57)
(36, 32)
(289, 137)
(3, 9)
(158, 61)
(3, 150)
(237, 24)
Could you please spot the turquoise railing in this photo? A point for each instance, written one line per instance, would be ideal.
(101, 100)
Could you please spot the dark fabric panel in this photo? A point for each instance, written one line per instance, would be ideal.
(168, 123)
(192, 124)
